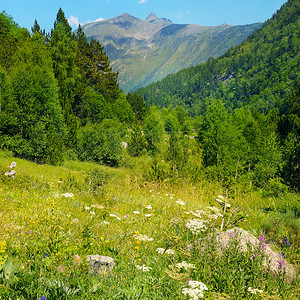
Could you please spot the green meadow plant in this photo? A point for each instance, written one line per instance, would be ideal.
(156, 232)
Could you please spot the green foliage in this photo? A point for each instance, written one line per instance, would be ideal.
(137, 141)
(138, 105)
(153, 129)
(123, 110)
(99, 144)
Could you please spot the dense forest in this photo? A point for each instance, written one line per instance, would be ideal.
(246, 101)
(233, 119)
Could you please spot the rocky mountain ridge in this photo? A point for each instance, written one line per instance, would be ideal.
(144, 51)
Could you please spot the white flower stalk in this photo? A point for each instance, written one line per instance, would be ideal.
(136, 212)
(170, 252)
(185, 265)
(147, 215)
(160, 250)
(143, 238)
(198, 213)
(196, 226)
(115, 216)
(143, 268)
(215, 216)
(68, 195)
(149, 207)
(254, 291)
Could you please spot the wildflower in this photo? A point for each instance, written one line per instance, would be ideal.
(147, 215)
(136, 212)
(170, 252)
(198, 213)
(97, 206)
(143, 268)
(92, 212)
(149, 207)
(286, 240)
(196, 226)
(214, 209)
(180, 202)
(185, 265)
(215, 216)
(160, 250)
(68, 195)
(61, 269)
(196, 290)
(87, 208)
(126, 216)
(115, 216)
(77, 260)
(254, 291)
(43, 298)
(143, 238)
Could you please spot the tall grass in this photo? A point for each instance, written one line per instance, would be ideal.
(53, 216)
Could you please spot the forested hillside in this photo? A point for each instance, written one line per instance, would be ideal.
(234, 119)
(254, 85)
(51, 86)
(260, 72)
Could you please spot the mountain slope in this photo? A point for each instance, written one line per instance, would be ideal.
(144, 51)
(260, 72)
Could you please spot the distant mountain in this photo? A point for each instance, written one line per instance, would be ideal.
(144, 51)
(261, 72)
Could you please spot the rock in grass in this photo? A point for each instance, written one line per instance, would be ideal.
(100, 264)
(274, 262)
(246, 240)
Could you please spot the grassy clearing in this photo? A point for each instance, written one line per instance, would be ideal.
(46, 233)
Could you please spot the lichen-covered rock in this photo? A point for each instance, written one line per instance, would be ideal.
(100, 264)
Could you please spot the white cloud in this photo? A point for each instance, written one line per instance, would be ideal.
(74, 21)
(99, 19)
(143, 1)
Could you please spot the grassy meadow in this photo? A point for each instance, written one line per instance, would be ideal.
(52, 217)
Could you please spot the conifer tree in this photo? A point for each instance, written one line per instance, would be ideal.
(63, 48)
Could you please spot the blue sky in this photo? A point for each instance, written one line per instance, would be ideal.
(202, 12)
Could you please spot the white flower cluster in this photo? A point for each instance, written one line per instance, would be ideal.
(198, 213)
(143, 268)
(254, 291)
(180, 202)
(214, 209)
(185, 265)
(196, 290)
(196, 226)
(215, 216)
(68, 195)
(168, 251)
(143, 238)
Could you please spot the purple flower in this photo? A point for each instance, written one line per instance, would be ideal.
(43, 298)
(286, 240)
(282, 254)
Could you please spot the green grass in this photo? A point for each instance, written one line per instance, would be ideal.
(41, 231)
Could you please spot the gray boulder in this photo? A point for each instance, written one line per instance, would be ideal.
(100, 264)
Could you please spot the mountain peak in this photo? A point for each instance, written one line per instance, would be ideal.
(151, 17)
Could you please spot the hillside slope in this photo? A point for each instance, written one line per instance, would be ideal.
(260, 72)
(144, 51)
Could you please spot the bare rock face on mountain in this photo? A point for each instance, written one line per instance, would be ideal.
(144, 51)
